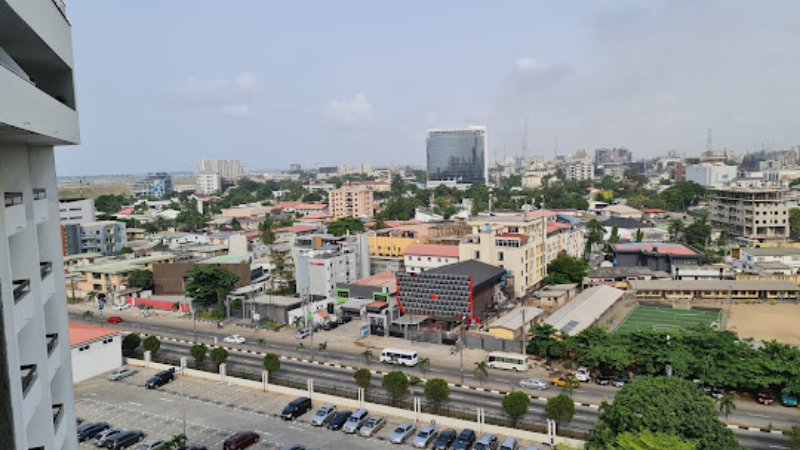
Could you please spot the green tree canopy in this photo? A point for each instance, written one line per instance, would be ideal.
(272, 363)
(641, 406)
(109, 203)
(142, 279)
(698, 234)
(209, 284)
(436, 391)
(560, 408)
(363, 378)
(396, 383)
(131, 342)
(198, 352)
(646, 440)
(152, 344)
(345, 225)
(566, 267)
(219, 355)
(190, 220)
(516, 404)
(794, 438)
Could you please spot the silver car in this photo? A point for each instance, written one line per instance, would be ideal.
(153, 444)
(323, 416)
(303, 333)
(122, 372)
(403, 431)
(356, 421)
(533, 383)
(103, 436)
(373, 425)
(425, 437)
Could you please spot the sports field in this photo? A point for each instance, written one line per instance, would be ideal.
(645, 317)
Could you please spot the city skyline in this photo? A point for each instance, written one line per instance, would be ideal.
(594, 77)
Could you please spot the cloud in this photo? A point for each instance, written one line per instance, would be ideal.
(528, 64)
(231, 97)
(350, 113)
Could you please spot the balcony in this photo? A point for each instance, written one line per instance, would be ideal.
(15, 213)
(31, 391)
(21, 288)
(48, 281)
(59, 426)
(41, 211)
(23, 308)
(53, 355)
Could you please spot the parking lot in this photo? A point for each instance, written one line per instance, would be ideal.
(214, 411)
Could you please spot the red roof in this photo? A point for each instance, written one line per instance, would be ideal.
(80, 333)
(655, 247)
(377, 279)
(313, 216)
(311, 206)
(252, 235)
(126, 211)
(376, 305)
(551, 227)
(445, 251)
(539, 213)
(513, 235)
(654, 211)
(282, 205)
(294, 229)
(322, 313)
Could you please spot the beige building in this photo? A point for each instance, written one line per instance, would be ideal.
(351, 201)
(752, 214)
(511, 242)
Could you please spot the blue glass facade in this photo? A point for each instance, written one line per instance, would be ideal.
(457, 155)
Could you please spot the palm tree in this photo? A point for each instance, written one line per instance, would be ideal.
(726, 405)
(297, 321)
(262, 342)
(367, 354)
(481, 371)
(424, 364)
(676, 229)
(570, 384)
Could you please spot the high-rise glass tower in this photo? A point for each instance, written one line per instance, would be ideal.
(458, 156)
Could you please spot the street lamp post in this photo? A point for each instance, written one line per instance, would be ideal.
(461, 347)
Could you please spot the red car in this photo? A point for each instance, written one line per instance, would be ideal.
(765, 398)
(241, 440)
(115, 319)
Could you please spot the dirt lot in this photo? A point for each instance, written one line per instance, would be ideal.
(766, 322)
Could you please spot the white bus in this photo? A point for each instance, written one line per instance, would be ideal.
(508, 361)
(402, 357)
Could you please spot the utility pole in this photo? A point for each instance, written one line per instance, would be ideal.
(524, 335)
(461, 347)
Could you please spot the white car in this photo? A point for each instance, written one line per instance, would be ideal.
(151, 445)
(533, 383)
(122, 372)
(121, 307)
(235, 339)
(583, 375)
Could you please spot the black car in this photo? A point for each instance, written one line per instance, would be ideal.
(89, 430)
(465, 440)
(161, 378)
(240, 440)
(124, 439)
(445, 440)
(339, 420)
(344, 319)
(194, 447)
(603, 379)
(293, 447)
(329, 325)
(296, 408)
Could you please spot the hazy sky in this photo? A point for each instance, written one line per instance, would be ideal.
(162, 84)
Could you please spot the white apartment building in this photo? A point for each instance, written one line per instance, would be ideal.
(579, 167)
(37, 112)
(421, 257)
(208, 183)
(752, 214)
(229, 170)
(322, 260)
(364, 168)
(768, 260)
(77, 210)
(713, 175)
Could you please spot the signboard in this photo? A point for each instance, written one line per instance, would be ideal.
(364, 331)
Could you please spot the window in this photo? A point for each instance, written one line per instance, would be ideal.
(500, 256)
(477, 254)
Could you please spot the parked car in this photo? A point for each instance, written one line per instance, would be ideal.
(115, 319)
(402, 432)
(194, 447)
(533, 383)
(296, 408)
(122, 372)
(293, 447)
(487, 442)
(339, 420)
(788, 400)
(714, 392)
(583, 375)
(121, 307)
(562, 381)
(603, 379)
(102, 437)
(373, 425)
(323, 416)
(343, 320)
(620, 380)
(89, 430)
(533, 447)
(161, 378)
(465, 440)
(240, 440)
(509, 443)
(425, 436)
(303, 333)
(124, 440)
(765, 398)
(445, 440)
(329, 325)
(153, 444)
(235, 339)
(356, 421)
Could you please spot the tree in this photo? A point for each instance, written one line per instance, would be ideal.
(794, 437)
(614, 238)
(367, 355)
(397, 184)
(396, 383)
(131, 342)
(198, 352)
(677, 229)
(272, 363)
(516, 404)
(266, 227)
(566, 267)
(639, 235)
(142, 279)
(436, 391)
(543, 342)
(177, 442)
(560, 408)
(698, 234)
(794, 221)
(209, 284)
(640, 406)
(481, 371)
(109, 203)
(646, 440)
(399, 208)
(363, 378)
(282, 266)
(596, 231)
(726, 405)
(219, 355)
(190, 220)
(346, 225)
(151, 344)
(125, 251)
(424, 364)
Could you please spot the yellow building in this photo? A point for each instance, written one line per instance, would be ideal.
(113, 276)
(351, 201)
(392, 242)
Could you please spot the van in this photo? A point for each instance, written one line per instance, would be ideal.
(509, 443)
(241, 440)
(296, 408)
(487, 442)
(356, 421)
(124, 440)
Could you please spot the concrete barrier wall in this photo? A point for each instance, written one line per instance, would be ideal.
(355, 404)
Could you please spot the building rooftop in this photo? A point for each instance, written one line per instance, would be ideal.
(236, 258)
(584, 310)
(376, 280)
(100, 222)
(126, 265)
(80, 333)
(480, 272)
(443, 251)
(295, 229)
(553, 227)
(623, 272)
(653, 211)
(621, 209)
(772, 251)
(656, 247)
(624, 222)
(714, 285)
(82, 256)
(773, 265)
(513, 319)
(277, 300)
(316, 216)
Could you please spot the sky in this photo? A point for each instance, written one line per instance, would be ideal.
(163, 84)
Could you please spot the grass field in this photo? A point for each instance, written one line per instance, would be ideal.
(663, 318)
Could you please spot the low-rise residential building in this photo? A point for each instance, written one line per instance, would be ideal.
(511, 324)
(94, 349)
(752, 215)
(208, 183)
(106, 237)
(714, 290)
(711, 175)
(595, 307)
(564, 237)
(621, 211)
(112, 276)
(555, 296)
(619, 277)
(322, 261)
(421, 257)
(705, 272)
(77, 210)
(351, 201)
(753, 259)
(656, 256)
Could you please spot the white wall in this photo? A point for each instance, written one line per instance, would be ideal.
(98, 358)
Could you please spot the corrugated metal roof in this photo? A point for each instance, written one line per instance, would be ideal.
(582, 311)
(714, 285)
